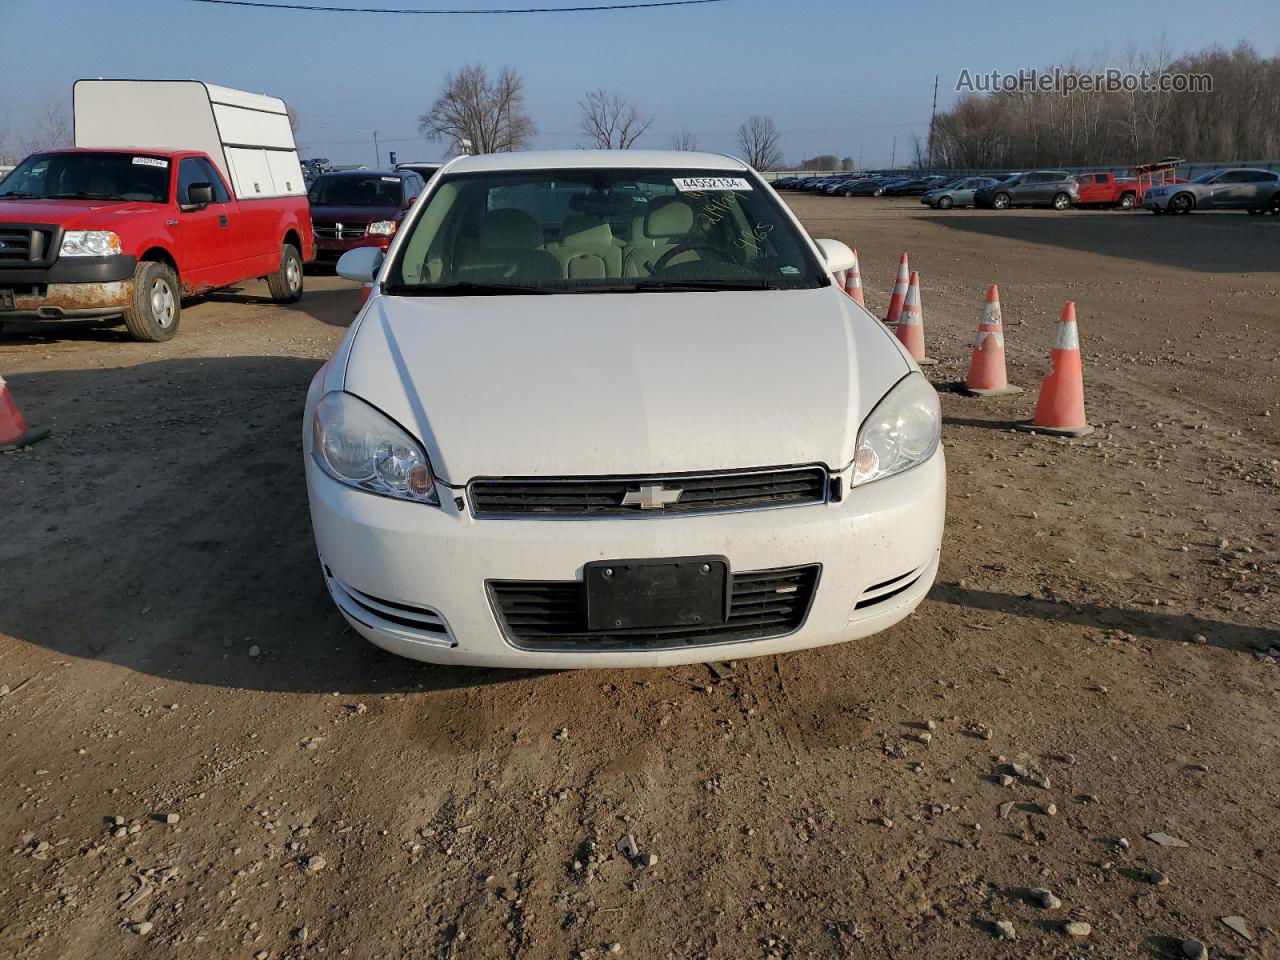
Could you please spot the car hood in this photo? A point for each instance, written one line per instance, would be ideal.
(353, 214)
(73, 214)
(583, 384)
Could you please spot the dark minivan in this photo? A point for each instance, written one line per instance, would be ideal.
(359, 208)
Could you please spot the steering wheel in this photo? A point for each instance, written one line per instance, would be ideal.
(663, 261)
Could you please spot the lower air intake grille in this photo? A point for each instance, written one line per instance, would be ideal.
(551, 615)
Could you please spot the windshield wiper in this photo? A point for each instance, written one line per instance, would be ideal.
(678, 285)
(460, 289)
(16, 195)
(82, 195)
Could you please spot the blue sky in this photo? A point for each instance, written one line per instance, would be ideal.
(837, 77)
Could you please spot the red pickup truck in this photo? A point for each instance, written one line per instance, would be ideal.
(108, 232)
(1108, 190)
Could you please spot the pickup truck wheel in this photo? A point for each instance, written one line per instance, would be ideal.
(1000, 201)
(286, 283)
(1061, 201)
(157, 303)
(1128, 201)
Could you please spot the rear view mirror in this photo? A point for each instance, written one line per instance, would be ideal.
(838, 255)
(360, 264)
(199, 195)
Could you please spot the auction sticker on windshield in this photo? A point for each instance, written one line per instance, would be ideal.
(149, 162)
(710, 183)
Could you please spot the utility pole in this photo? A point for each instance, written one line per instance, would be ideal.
(933, 114)
(893, 157)
(377, 154)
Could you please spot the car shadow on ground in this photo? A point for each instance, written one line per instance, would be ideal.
(1210, 243)
(164, 528)
(1177, 627)
(334, 305)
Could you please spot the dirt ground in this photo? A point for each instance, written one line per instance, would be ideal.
(1101, 620)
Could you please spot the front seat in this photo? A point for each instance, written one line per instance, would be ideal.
(508, 246)
(666, 226)
(586, 250)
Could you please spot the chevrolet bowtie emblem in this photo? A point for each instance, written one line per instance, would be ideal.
(653, 497)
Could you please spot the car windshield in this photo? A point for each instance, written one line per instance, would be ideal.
(345, 190)
(601, 231)
(89, 176)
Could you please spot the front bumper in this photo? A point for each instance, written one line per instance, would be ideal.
(1158, 202)
(330, 249)
(440, 559)
(69, 288)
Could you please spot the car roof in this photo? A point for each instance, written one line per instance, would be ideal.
(398, 174)
(593, 160)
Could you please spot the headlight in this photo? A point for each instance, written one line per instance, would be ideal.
(361, 447)
(902, 431)
(381, 228)
(90, 243)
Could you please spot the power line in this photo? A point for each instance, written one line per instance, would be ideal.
(495, 10)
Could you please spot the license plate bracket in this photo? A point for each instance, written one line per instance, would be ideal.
(669, 592)
(6, 300)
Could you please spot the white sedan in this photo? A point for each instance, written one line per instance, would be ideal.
(611, 409)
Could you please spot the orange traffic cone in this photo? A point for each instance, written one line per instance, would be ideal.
(910, 328)
(853, 282)
(899, 295)
(987, 377)
(14, 432)
(1060, 409)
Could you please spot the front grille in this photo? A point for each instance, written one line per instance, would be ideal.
(602, 497)
(24, 244)
(551, 615)
(348, 232)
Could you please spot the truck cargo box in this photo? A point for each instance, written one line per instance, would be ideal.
(248, 135)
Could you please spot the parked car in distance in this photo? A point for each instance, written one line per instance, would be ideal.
(120, 234)
(888, 184)
(423, 168)
(915, 186)
(1035, 188)
(359, 209)
(957, 193)
(1108, 190)
(866, 187)
(1238, 188)
(533, 449)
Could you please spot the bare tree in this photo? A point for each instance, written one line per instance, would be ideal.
(50, 127)
(758, 137)
(295, 121)
(684, 139)
(478, 116)
(610, 121)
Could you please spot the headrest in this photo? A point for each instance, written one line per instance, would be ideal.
(673, 218)
(509, 229)
(585, 232)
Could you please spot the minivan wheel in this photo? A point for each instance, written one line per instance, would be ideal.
(1061, 201)
(1000, 201)
(286, 283)
(1181, 203)
(944, 203)
(157, 303)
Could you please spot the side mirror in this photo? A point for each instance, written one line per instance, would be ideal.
(838, 256)
(361, 264)
(199, 196)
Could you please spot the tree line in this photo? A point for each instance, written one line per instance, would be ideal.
(1238, 120)
(476, 114)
